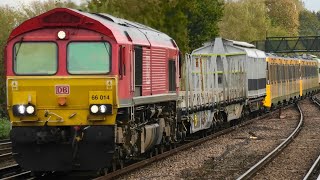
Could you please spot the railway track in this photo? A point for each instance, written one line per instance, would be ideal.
(291, 159)
(14, 172)
(314, 170)
(148, 161)
(255, 168)
(5, 150)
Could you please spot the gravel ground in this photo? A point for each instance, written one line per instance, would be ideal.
(226, 156)
(7, 163)
(295, 160)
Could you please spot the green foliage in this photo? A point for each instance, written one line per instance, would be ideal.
(309, 24)
(203, 16)
(244, 20)
(249, 20)
(11, 18)
(7, 17)
(284, 16)
(189, 22)
(5, 127)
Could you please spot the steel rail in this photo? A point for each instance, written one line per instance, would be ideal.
(317, 161)
(8, 143)
(264, 161)
(9, 169)
(148, 161)
(5, 150)
(14, 171)
(5, 156)
(24, 174)
(4, 140)
(312, 169)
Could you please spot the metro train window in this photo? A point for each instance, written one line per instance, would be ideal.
(89, 58)
(35, 58)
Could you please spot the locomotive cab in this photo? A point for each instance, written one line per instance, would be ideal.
(62, 87)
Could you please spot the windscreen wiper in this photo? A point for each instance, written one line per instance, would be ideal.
(104, 43)
(16, 52)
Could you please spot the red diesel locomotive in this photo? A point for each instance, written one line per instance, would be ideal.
(88, 90)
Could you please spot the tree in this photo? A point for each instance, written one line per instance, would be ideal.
(309, 24)
(35, 8)
(7, 17)
(189, 22)
(284, 16)
(244, 20)
(203, 16)
(10, 18)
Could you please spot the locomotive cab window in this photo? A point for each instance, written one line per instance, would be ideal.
(89, 58)
(35, 58)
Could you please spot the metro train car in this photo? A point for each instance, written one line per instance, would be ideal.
(290, 79)
(318, 60)
(88, 91)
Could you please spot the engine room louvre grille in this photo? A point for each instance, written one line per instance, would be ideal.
(61, 17)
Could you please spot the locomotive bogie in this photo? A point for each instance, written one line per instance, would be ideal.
(152, 125)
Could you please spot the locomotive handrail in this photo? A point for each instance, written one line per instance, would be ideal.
(254, 169)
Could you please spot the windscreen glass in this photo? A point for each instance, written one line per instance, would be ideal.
(89, 58)
(35, 58)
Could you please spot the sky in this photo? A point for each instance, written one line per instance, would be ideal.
(313, 5)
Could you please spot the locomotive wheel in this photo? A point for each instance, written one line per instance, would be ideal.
(150, 154)
(156, 151)
(114, 166)
(102, 171)
(161, 149)
(121, 163)
(169, 147)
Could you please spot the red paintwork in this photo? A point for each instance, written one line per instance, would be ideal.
(159, 70)
(81, 26)
(38, 23)
(146, 72)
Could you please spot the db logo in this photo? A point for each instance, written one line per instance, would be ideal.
(62, 89)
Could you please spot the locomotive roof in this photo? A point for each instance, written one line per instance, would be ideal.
(121, 30)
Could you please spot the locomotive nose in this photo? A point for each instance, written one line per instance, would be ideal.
(62, 100)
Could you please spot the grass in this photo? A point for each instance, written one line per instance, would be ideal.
(5, 127)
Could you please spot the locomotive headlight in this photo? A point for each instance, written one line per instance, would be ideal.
(94, 109)
(100, 109)
(103, 109)
(21, 109)
(30, 109)
(62, 34)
